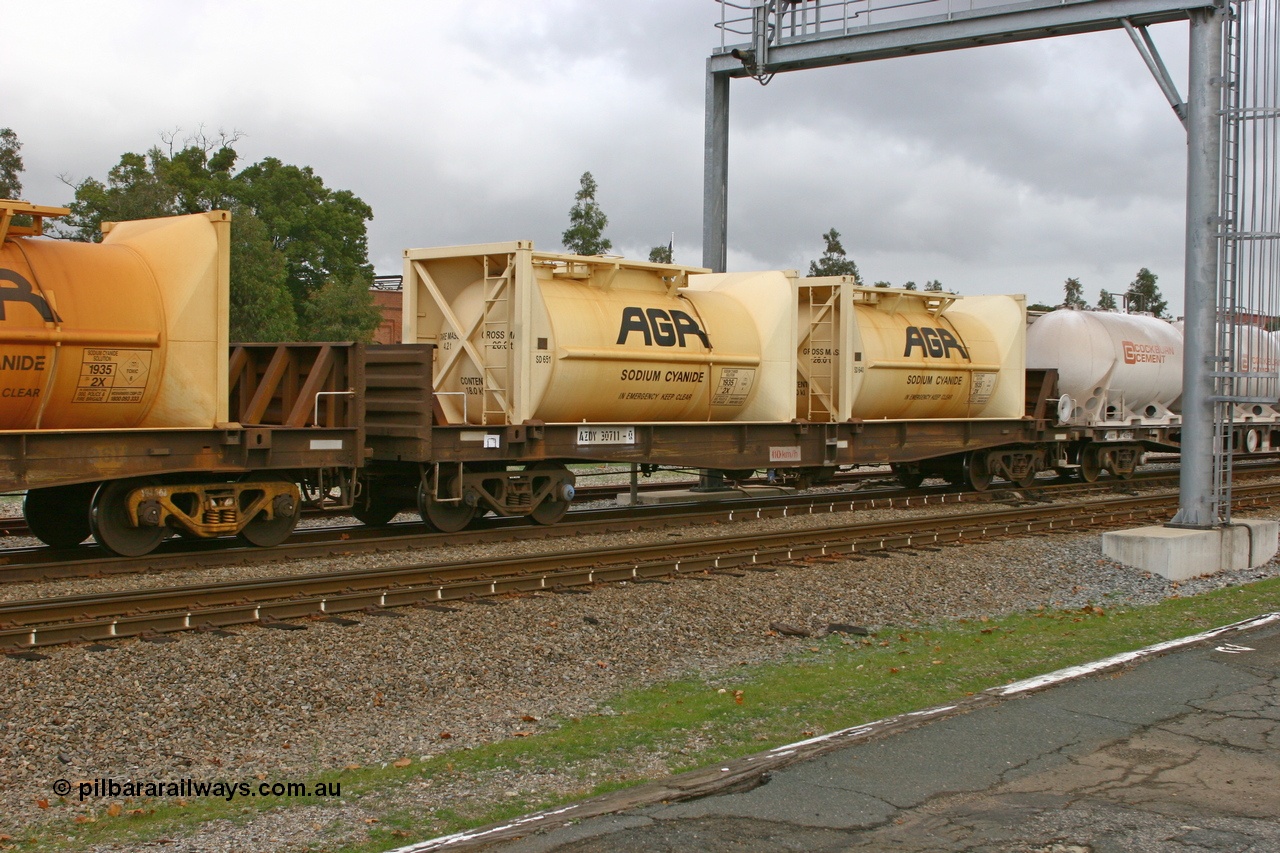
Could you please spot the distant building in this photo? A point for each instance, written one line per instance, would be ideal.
(1245, 317)
(387, 296)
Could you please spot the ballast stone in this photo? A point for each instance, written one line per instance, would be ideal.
(1179, 553)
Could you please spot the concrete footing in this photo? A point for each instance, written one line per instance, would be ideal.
(1178, 553)
(680, 496)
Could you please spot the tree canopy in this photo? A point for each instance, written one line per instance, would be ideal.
(1073, 295)
(299, 254)
(1144, 295)
(585, 234)
(10, 164)
(1106, 302)
(834, 261)
(663, 254)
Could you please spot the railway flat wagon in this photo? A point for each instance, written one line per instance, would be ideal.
(519, 362)
(125, 414)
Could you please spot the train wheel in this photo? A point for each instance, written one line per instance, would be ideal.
(550, 511)
(268, 532)
(1090, 467)
(1026, 479)
(59, 516)
(445, 516)
(909, 476)
(109, 520)
(979, 478)
(376, 511)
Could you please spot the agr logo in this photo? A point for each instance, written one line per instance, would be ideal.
(934, 343)
(22, 291)
(660, 327)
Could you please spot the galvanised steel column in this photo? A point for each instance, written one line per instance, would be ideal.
(715, 174)
(1204, 148)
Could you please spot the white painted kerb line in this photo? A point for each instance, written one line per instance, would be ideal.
(446, 840)
(1127, 657)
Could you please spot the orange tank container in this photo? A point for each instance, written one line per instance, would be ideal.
(131, 332)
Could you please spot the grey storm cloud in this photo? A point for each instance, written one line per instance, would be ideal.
(1001, 169)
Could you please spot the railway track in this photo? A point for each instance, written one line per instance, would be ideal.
(43, 564)
(25, 625)
(16, 527)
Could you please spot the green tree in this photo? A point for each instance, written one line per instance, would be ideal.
(293, 239)
(133, 190)
(663, 254)
(910, 285)
(883, 284)
(1106, 302)
(933, 286)
(10, 164)
(340, 310)
(261, 304)
(1073, 295)
(1041, 307)
(1144, 295)
(200, 175)
(833, 260)
(320, 231)
(585, 234)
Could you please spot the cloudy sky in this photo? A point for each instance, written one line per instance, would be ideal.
(1002, 169)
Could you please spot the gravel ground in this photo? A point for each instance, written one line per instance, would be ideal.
(284, 705)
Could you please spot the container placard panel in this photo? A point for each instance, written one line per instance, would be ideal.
(982, 387)
(606, 435)
(113, 376)
(734, 386)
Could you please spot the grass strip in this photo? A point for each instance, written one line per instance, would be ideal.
(827, 684)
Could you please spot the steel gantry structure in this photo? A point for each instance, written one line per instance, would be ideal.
(1233, 55)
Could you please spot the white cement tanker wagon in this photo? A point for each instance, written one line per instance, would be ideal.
(1257, 358)
(1113, 369)
(1256, 363)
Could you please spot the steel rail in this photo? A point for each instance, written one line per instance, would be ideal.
(42, 622)
(15, 526)
(44, 564)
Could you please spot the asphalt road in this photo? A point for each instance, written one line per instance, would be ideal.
(1179, 751)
